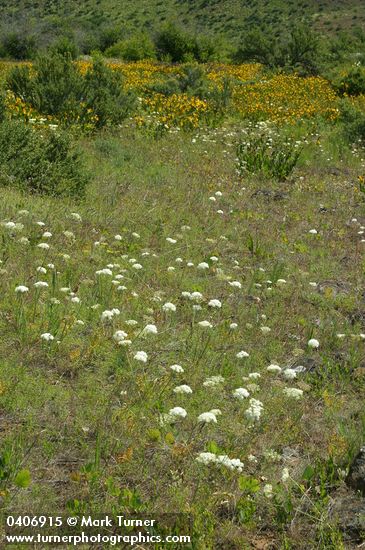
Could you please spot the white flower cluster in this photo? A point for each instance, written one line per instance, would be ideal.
(220, 460)
(253, 413)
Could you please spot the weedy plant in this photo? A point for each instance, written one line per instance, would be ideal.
(274, 157)
(39, 162)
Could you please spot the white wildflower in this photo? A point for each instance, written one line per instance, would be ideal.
(241, 393)
(242, 354)
(47, 336)
(178, 412)
(141, 356)
(21, 289)
(184, 388)
(207, 418)
(177, 368)
(168, 306)
(296, 393)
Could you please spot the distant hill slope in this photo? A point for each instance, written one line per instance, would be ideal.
(227, 17)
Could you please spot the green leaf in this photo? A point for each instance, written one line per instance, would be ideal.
(308, 473)
(212, 447)
(249, 484)
(22, 479)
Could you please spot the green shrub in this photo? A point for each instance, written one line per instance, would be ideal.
(353, 122)
(2, 107)
(206, 48)
(259, 47)
(192, 81)
(173, 44)
(109, 36)
(299, 52)
(39, 162)
(56, 87)
(353, 83)
(18, 46)
(274, 157)
(135, 48)
(65, 46)
(104, 93)
(302, 51)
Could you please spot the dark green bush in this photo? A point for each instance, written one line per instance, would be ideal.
(2, 107)
(192, 81)
(300, 51)
(109, 36)
(173, 44)
(353, 83)
(135, 48)
(206, 48)
(18, 46)
(56, 87)
(39, 162)
(104, 93)
(353, 122)
(65, 46)
(259, 47)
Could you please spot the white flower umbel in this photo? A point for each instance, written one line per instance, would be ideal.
(206, 458)
(241, 393)
(242, 355)
(21, 289)
(178, 412)
(41, 284)
(149, 329)
(235, 284)
(205, 324)
(289, 374)
(295, 393)
(47, 336)
(213, 381)
(273, 368)
(253, 413)
(184, 388)
(313, 343)
(168, 306)
(207, 418)
(141, 356)
(119, 335)
(177, 368)
(215, 304)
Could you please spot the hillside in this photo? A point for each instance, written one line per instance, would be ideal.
(226, 17)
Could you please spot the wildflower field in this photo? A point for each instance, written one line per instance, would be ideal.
(255, 95)
(187, 336)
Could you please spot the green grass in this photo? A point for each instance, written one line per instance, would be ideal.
(226, 17)
(83, 417)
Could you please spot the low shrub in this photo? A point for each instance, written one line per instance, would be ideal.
(18, 46)
(353, 122)
(104, 94)
(135, 48)
(353, 83)
(271, 157)
(52, 87)
(56, 87)
(39, 162)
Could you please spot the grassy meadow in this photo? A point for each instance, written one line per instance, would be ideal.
(187, 334)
